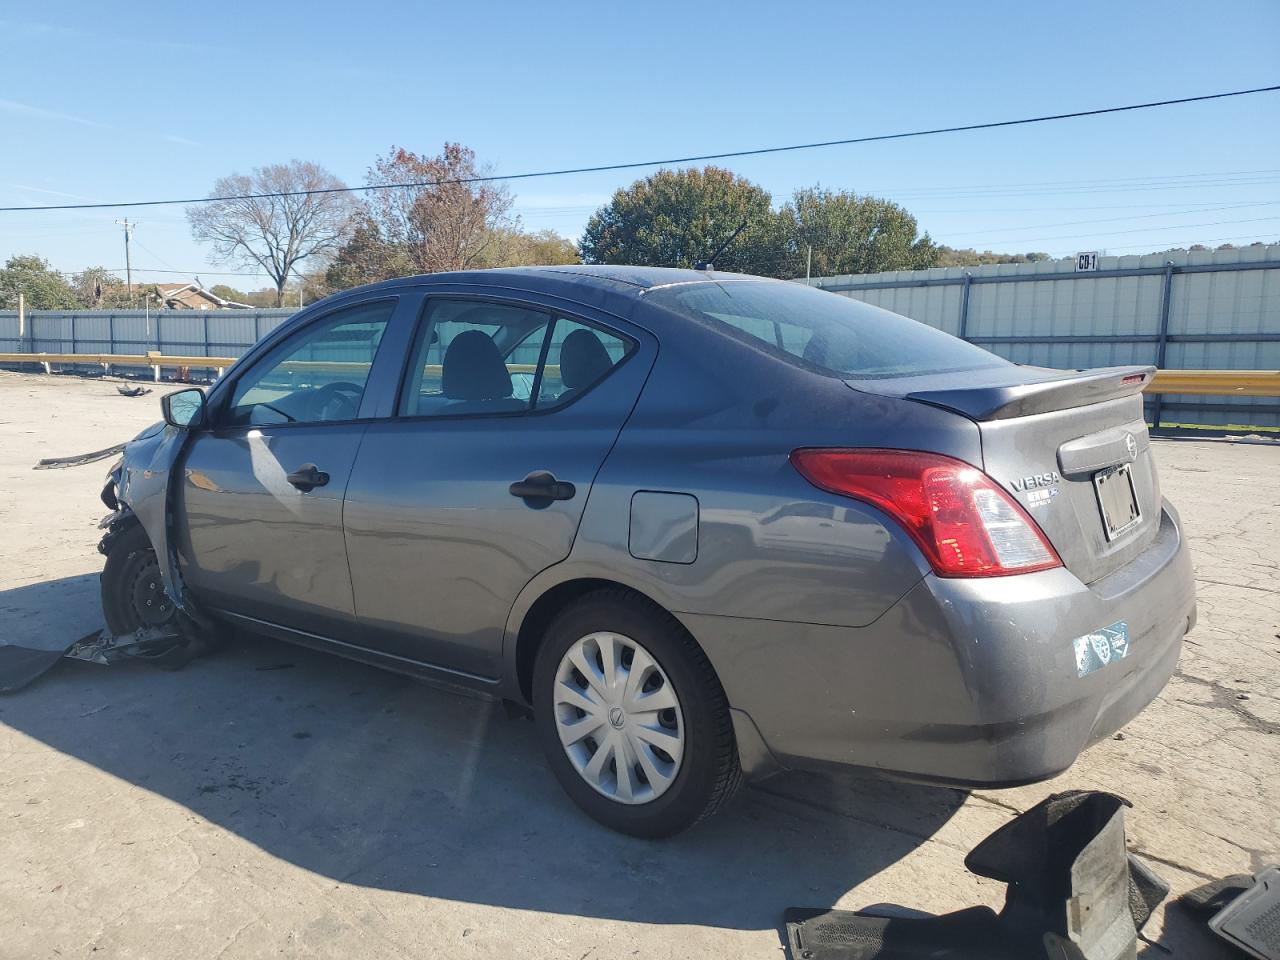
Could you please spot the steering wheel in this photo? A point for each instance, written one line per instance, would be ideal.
(339, 400)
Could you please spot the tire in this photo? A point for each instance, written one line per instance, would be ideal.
(690, 782)
(133, 596)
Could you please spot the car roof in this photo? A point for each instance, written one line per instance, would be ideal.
(613, 277)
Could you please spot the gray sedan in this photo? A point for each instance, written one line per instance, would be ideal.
(700, 525)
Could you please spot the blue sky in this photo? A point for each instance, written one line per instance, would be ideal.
(155, 100)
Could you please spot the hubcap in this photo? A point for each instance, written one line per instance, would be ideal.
(150, 603)
(618, 718)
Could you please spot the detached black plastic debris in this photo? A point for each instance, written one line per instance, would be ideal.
(132, 391)
(1244, 910)
(78, 460)
(1074, 893)
(20, 665)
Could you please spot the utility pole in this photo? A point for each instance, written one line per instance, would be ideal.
(808, 263)
(128, 265)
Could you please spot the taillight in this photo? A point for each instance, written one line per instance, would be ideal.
(965, 524)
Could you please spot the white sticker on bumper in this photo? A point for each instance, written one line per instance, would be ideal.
(1106, 645)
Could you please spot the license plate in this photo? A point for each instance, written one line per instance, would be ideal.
(1117, 500)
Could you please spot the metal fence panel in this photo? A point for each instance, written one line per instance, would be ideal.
(192, 332)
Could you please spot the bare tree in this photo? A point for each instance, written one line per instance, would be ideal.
(274, 232)
(438, 222)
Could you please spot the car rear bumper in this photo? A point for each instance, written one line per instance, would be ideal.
(967, 682)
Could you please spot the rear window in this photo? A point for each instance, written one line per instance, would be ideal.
(812, 328)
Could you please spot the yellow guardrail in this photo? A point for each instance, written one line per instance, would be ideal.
(1235, 383)
(149, 359)
(158, 360)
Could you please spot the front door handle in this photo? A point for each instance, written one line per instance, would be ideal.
(307, 477)
(543, 485)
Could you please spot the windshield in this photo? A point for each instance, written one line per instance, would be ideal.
(834, 334)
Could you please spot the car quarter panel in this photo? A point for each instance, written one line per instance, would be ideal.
(965, 681)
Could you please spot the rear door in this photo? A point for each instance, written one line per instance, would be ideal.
(259, 501)
(497, 393)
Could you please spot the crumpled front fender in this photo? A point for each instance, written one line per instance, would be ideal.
(144, 488)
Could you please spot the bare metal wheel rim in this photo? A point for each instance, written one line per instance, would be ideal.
(618, 718)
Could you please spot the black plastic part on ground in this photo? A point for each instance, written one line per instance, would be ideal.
(20, 665)
(1074, 893)
(1244, 910)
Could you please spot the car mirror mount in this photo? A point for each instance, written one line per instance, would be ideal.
(184, 409)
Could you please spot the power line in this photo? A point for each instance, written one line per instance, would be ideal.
(604, 168)
(188, 273)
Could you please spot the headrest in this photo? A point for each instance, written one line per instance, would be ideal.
(583, 359)
(473, 368)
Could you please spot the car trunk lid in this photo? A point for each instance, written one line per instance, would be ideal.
(1071, 447)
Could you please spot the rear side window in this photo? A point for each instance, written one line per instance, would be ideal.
(578, 358)
(473, 357)
(480, 357)
(836, 335)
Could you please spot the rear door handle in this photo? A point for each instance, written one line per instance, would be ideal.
(307, 477)
(543, 485)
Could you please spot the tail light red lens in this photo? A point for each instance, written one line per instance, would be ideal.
(966, 525)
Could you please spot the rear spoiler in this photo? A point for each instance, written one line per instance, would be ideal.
(1006, 392)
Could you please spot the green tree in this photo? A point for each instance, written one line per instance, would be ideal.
(368, 257)
(969, 257)
(518, 248)
(676, 218)
(42, 287)
(97, 288)
(227, 292)
(848, 233)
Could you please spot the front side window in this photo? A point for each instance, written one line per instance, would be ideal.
(318, 376)
(835, 334)
(476, 357)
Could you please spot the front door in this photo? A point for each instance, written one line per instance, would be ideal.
(439, 540)
(259, 503)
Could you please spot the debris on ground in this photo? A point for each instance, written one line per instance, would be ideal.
(79, 459)
(146, 643)
(1074, 893)
(21, 663)
(126, 391)
(1244, 910)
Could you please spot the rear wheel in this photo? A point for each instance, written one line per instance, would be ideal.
(631, 716)
(133, 596)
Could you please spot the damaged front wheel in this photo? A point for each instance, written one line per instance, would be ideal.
(133, 598)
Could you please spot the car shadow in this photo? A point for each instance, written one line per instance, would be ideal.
(375, 779)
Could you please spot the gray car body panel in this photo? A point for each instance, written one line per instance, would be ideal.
(830, 634)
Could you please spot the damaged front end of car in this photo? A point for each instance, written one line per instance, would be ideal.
(137, 491)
